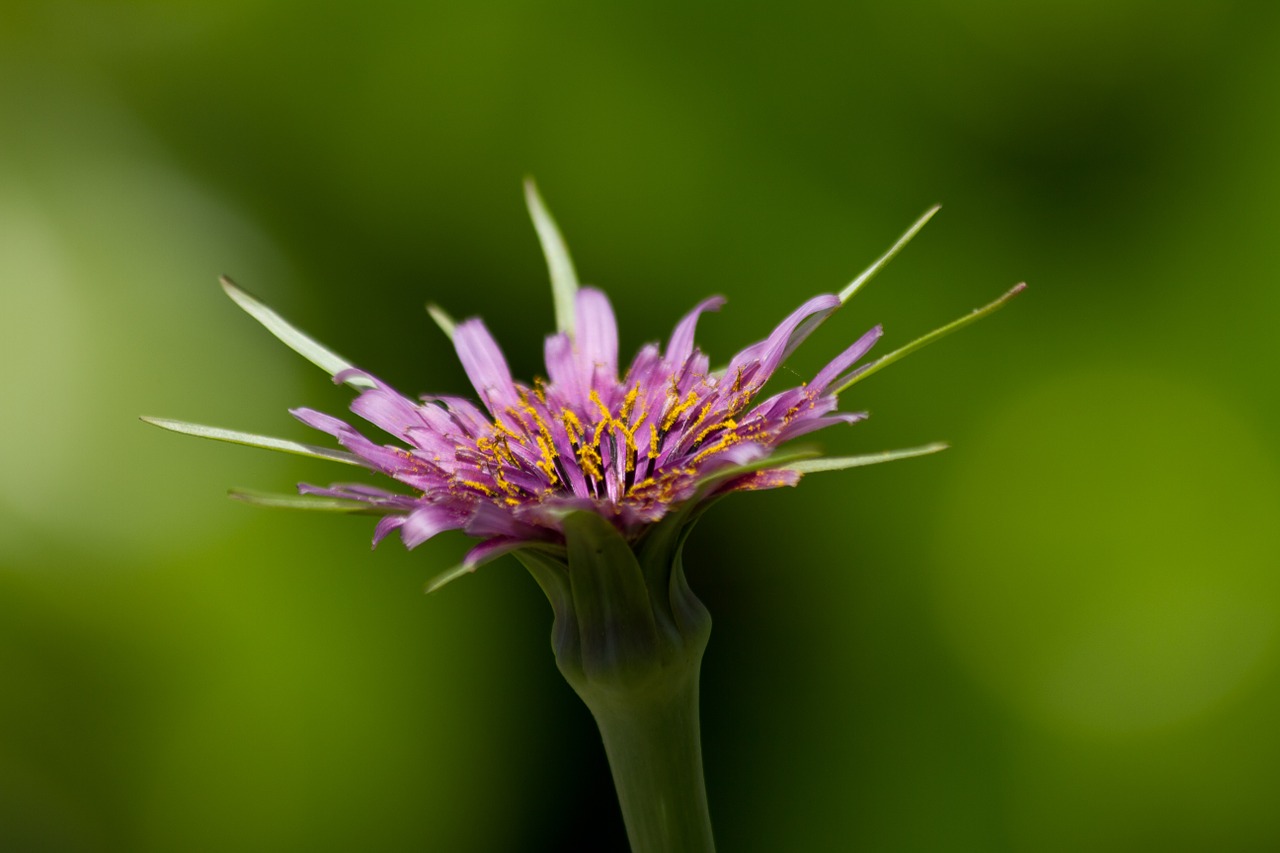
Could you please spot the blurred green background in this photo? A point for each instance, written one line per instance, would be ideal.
(1059, 635)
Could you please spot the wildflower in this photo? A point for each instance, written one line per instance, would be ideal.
(592, 479)
(668, 433)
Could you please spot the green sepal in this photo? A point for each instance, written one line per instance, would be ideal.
(923, 341)
(313, 503)
(626, 622)
(564, 278)
(293, 337)
(249, 439)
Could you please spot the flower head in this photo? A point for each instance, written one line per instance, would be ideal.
(628, 447)
(668, 433)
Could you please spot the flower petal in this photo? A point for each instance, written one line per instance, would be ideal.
(596, 338)
(844, 360)
(386, 524)
(428, 520)
(680, 347)
(761, 359)
(485, 365)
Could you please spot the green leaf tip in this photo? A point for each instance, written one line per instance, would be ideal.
(840, 463)
(446, 323)
(311, 503)
(292, 337)
(564, 278)
(880, 263)
(937, 334)
(253, 440)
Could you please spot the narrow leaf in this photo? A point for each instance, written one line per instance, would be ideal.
(298, 341)
(936, 334)
(446, 323)
(870, 272)
(564, 279)
(307, 502)
(252, 440)
(839, 463)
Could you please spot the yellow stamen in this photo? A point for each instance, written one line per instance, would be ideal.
(629, 402)
(702, 415)
(572, 425)
(677, 410)
(479, 487)
(726, 441)
(604, 410)
(728, 423)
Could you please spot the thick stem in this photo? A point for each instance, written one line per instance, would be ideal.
(655, 752)
(629, 636)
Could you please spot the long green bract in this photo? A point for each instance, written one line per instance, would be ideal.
(292, 337)
(936, 334)
(252, 440)
(564, 278)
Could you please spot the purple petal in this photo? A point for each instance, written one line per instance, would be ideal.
(760, 480)
(388, 410)
(428, 520)
(491, 549)
(843, 361)
(596, 337)
(388, 460)
(680, 347)
(770, 352)
(805, 425)
(562, 369)
(485, 365)
(492, 520)
(386, 524)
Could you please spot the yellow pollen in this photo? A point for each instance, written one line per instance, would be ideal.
(604, 410)
(728, 423)
(503, 483)
(629, 402)
(506, 430)
(479, 487)
(677, 410)
(572, 425)
(702, 415)
(653, 441)
(547, 464)
(726, 441)
(589, 460)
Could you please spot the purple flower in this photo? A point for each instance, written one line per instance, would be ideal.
(666, 433)
(627, 447)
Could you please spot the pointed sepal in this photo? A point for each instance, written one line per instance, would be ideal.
(294, 338)
(564, 278)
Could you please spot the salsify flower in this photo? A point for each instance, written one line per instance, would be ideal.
(628, 446)
(593, 477)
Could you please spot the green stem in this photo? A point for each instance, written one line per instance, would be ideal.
(655, 753)
(629, 636)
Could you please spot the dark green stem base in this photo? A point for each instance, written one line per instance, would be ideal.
(655, 753)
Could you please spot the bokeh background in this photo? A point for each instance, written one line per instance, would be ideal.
(1059, 635)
